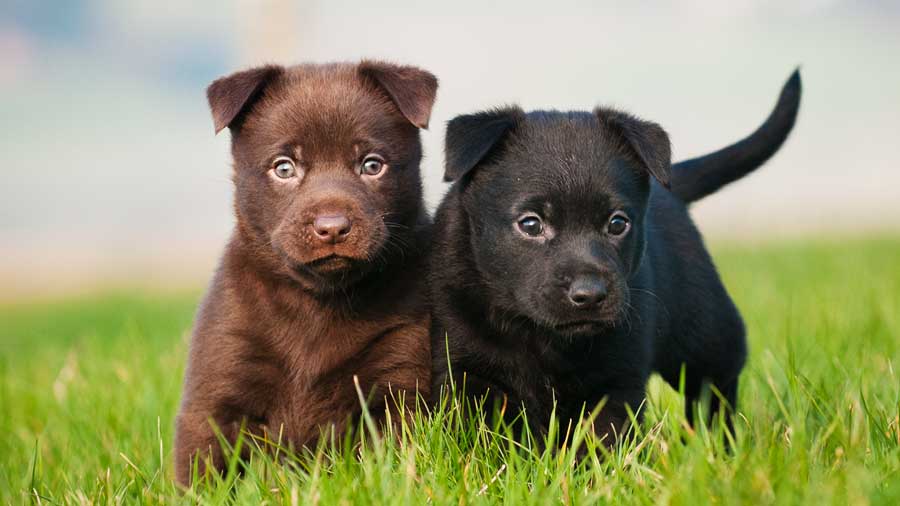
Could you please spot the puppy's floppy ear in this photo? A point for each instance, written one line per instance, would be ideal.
(233, 94)
(471, 137)
(646, 139)
(412, 89)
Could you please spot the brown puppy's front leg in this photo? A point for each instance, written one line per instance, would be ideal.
(399, 369)
(196, 437)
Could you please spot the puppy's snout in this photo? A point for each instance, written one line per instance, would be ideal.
(586, 291)
(332, 228)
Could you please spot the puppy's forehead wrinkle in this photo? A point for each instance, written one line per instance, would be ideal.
(323, 107)
(570, 155)
(575, 137)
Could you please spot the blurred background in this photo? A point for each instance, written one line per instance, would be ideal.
(110, 172)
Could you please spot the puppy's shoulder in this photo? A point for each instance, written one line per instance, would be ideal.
(224, 304)
(449, 233)
(225, 359)
(668, 218)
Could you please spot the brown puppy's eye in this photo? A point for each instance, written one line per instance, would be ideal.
(284, 168)
(618, 224)
(373, 165)
(531, 225)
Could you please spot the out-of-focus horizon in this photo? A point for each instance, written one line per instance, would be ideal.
(109, 169)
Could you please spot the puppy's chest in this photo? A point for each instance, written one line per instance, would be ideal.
(328, 364)
(314, 346)
(545, 378)
(303, 408)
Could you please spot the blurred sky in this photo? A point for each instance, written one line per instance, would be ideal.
(109, 168)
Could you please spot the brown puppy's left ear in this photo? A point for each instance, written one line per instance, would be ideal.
(233, 94)
(411, 88)
(646, 139)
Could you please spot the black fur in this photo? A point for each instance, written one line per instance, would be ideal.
(510, 310)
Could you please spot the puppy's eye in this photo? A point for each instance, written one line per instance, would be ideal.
(284, 168)
(618, 224)
(531, 225)
(373, 165)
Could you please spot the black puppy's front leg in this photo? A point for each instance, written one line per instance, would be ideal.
(613, 419)
(709, 364)
(722, 396)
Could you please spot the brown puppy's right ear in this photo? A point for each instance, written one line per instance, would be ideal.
(471, 137)
(233, 94)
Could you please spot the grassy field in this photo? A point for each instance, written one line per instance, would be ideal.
(89, 388)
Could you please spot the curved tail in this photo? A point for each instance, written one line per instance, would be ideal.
(698, 177)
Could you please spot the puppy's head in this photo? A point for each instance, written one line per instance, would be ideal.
(326, 164)
(556, 204)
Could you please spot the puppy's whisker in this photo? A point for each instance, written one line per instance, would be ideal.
(661, 303)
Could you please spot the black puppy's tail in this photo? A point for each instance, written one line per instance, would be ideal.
(698, 177)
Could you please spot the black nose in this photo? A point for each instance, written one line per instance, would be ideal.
(585, 291)
(333, 228)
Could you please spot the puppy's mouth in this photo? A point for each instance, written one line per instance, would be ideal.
(329, 265)
(581, 327)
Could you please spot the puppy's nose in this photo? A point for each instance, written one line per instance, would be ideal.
(333, 228)
(585, 291)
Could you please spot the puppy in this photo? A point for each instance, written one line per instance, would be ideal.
(321, 280)
(566, 268)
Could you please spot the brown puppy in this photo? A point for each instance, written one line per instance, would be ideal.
(322, 278)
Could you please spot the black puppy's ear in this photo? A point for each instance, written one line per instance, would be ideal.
(471, 137)
(233, 94)
(412, 89)
(646, 139)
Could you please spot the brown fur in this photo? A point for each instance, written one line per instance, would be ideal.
(289, 319)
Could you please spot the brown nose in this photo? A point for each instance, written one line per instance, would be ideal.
(333, 228)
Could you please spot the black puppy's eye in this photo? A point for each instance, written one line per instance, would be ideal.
(373, 165)
(284, 168)
(618, 224)
(531, 225)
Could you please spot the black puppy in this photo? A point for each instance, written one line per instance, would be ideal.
(566, 267)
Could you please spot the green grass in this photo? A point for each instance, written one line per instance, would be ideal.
(89, 388)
